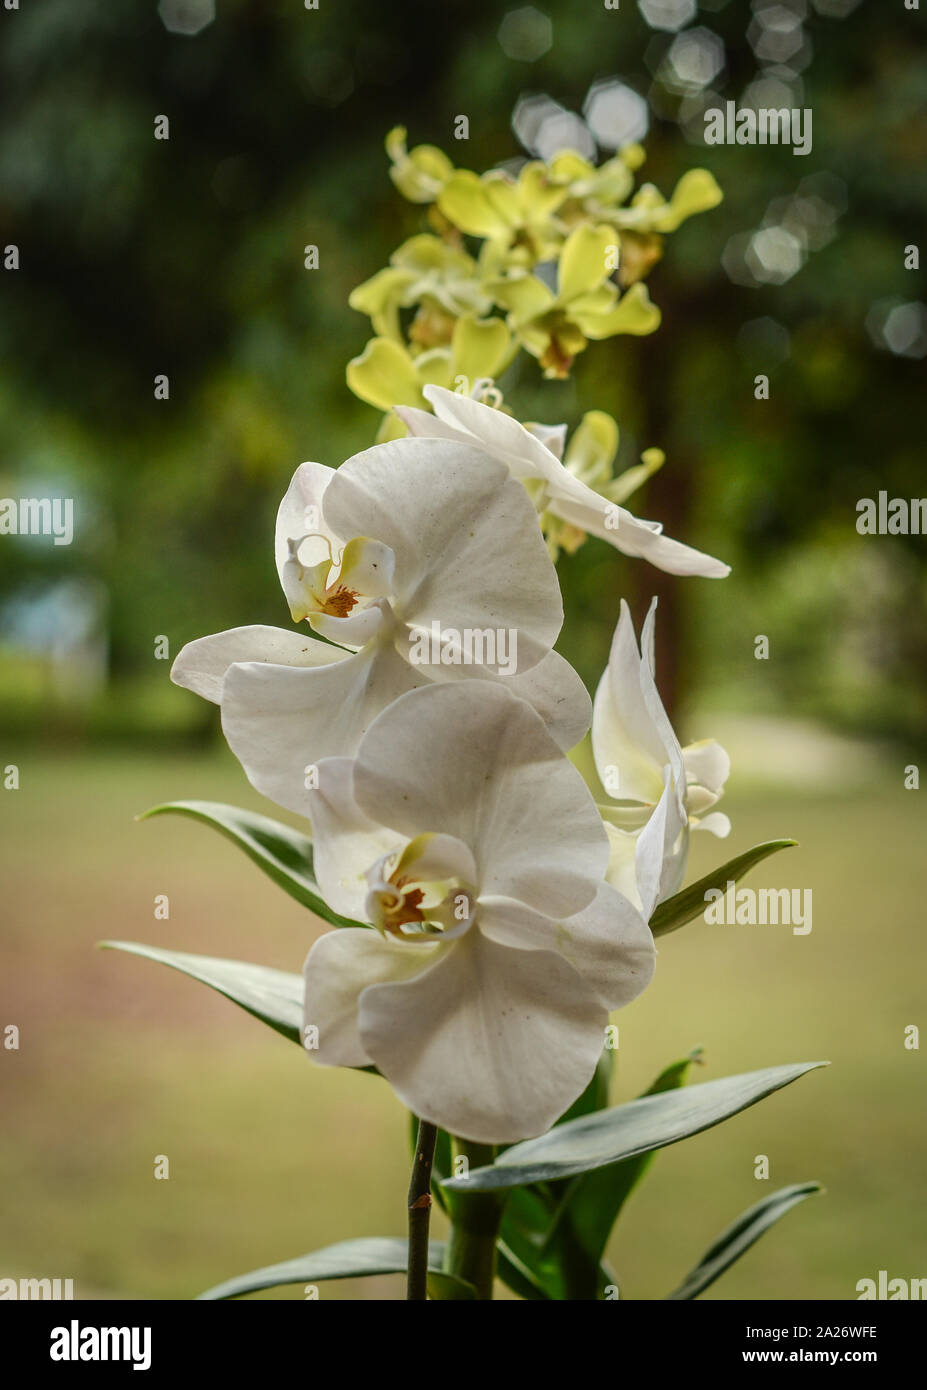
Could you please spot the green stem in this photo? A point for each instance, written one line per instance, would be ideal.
(420, 1212)
(475, 1218)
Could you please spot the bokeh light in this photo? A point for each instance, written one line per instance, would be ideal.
(669, 15)
(525, 34)
(899, 326)
(695, 58)
(186, 16)
(615, 113)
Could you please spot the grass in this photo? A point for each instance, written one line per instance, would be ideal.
(121, 1060)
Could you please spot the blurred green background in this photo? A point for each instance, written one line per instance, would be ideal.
(185, 257)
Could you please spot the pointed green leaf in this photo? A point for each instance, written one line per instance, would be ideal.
(737, 1239)
(273, 996)
(284, 854)
(349, 1259)
(682, 907)
(594, 1200)
(609, 1136)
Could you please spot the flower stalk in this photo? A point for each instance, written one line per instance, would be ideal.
(475, 1219)
(420, 1212)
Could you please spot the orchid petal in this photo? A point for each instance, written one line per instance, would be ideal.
(202, 665)
(340, 966)
(467, 548)
(470, 760)
(716, 824)
(629, 744)
(707, 764)
(491, 1044)
(608, 943)
(281, 720)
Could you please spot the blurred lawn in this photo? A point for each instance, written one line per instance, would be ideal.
(122, 1060)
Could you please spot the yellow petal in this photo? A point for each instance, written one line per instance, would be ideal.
(524, 295)
(696, 191)
(592, 447)
(418, 174)
(631, 479)
(385, 375)
(464, 200)
(435, 368)
(634, 313)
(380, 297)
(567, 166)
(583, 261)
(480, 347)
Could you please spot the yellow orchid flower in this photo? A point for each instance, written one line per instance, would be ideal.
(555, 327)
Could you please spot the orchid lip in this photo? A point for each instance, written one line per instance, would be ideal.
(411, 895)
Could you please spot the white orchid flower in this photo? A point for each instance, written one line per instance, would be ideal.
(534, 459)
(658, 791)
(406, 543)
(472, 845)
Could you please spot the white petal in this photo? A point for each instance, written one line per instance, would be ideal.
(698, 800)
(347, 843)
(496, 432)
(552, 688)
(471, 760)
(468, 551)
(356, 630)
(279, 720)
(491, 1044)
(202, 665)
(630, 729)
(716, 824)
(662, 850)
(555, 691)
(421, 424)
(553, 437)
(608, 943)
(569, 498)
(707, 764)
(300, 512)
(622, 863)
(338, 969)
(627, 533)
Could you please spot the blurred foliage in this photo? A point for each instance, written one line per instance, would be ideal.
(186, 257)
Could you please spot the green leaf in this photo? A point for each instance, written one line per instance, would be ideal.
(737, 1239)
(609, 1136)
(518, 1275)
(526, 1221)
(273, 996)
(595, 1096)
(284, 854)
(682, 907)
(594, 1200)
(349, 1259)
(528, 1262)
